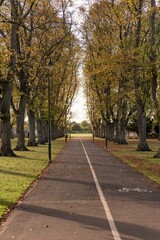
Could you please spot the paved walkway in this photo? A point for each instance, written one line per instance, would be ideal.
(87, 194)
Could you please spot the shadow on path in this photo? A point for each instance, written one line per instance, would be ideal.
(125, 229)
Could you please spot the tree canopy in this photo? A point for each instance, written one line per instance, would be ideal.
(34, 35)
(121, 62)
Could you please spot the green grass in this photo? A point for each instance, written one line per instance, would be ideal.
(81, 135)
(143, 162)
(18, 173)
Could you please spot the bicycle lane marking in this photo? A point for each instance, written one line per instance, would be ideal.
(110, 219)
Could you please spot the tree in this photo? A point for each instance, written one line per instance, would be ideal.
(108, 77)
(153, 61)
(63, 77)
(85, 126)
(40, 32)
(7, 80)
(116, 62)
(138, 79)
(47, 35)
(75, 127)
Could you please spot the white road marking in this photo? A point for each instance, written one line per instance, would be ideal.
(110, 219)
(124, 189)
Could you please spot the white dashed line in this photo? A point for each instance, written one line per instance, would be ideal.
(110, 219)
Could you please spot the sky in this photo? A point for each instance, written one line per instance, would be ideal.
(79, 109)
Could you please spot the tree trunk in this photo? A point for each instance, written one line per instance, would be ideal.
(7, 88)
(110, 130)
(5, 137)
(54, 130)
(6, 149)
(123, 121)
(153, 59)
(123, 134)
(101, 130)
(141, 119)
(142, 145)
(157, 154)
(45, 130)
(60, 132)
(31, 137)
(117, 128)
(41, 139)
(20, 125)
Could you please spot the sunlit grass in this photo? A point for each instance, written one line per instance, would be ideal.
(18, 173)
(144, 162)
(81, 135)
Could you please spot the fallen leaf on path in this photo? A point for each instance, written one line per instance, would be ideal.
(46, 226)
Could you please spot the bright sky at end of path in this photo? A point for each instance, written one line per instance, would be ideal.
(79, 109)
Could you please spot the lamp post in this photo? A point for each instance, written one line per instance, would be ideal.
(93, 134)
(93, 122)
(106, 140)
(65, 122)
(70, 116)
(50, 64)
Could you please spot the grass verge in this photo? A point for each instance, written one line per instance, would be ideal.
(18, 173)
(143, 162)
(81, 135)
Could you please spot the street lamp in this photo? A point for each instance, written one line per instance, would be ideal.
(50, 65)
(65, 122)
(93, 134)
(93, 121)
(70, 116)
(106, 140)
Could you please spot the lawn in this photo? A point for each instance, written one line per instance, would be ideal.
(18, 173)
(144, 162)
(81, 135)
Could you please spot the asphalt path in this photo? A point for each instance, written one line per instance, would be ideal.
(87, 194)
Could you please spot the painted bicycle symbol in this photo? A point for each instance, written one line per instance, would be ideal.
(124, 189)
